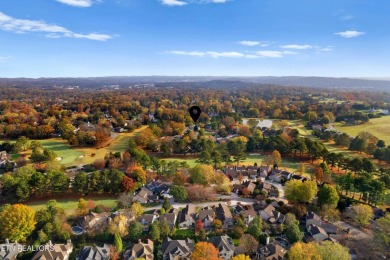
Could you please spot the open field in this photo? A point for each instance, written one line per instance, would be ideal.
(119, 143)
(379, 127)
(75, 155)
(70, 204)
(250, 160)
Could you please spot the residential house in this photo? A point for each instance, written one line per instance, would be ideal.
(264, 171)
(223, 214)
(280, 175)
(145, 196)
(239, 208)
(249, 215)
(170, 218)
(271, 190)
(207, 217)
(94, 252)
(231, 172)
(316, 233)
(140, 251)
(9, 251)
(187, 217)
(246, 188)
(94, 222)
(225, 246)
(272, 216)
(272, 251)
(147, 219)
(54, 251)
(177, 249)
(313, 219)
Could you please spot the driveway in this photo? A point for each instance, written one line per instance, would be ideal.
(353, 231)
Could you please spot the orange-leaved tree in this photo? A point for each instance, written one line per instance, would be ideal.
(205, 251)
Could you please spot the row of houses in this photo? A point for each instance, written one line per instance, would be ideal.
(182, 249)
(10, 251)
(251, 173)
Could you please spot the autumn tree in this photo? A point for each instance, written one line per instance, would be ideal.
(248, 244)
(329, 250)
(274, 158)
(118, 225)
(128, 184)
(382, 233)
(303, 251)
(82, 207)
(361, 214)
(241, 257)
(198, 226)
(17, 222)
(202, 174)
(204, 250)
(137, 209)
(298, 191)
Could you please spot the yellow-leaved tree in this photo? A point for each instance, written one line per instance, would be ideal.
(303, 251)
(17, 222)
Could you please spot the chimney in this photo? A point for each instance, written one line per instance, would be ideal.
(7, 241)
(267, 241)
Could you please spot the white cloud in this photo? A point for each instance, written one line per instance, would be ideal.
(350, 34)
(254, 43)
(11, 24)
(297, 46)
(173, 2)
(233, 54)
(275, 54)
(212, 54)
(249, 43)
(77, 3)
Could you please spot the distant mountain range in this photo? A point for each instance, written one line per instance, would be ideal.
(92, 82)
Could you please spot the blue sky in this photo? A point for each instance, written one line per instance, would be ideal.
(57, 38)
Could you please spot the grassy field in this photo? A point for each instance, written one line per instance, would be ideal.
(71, 155)
(250, 160)
(119, 143)
(379, 127)
(70, 204)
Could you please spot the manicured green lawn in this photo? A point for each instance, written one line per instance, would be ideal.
(379, 127)
(118, 144)
(70, 205)
(191, 161)
(184, 232)
(62, 149)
